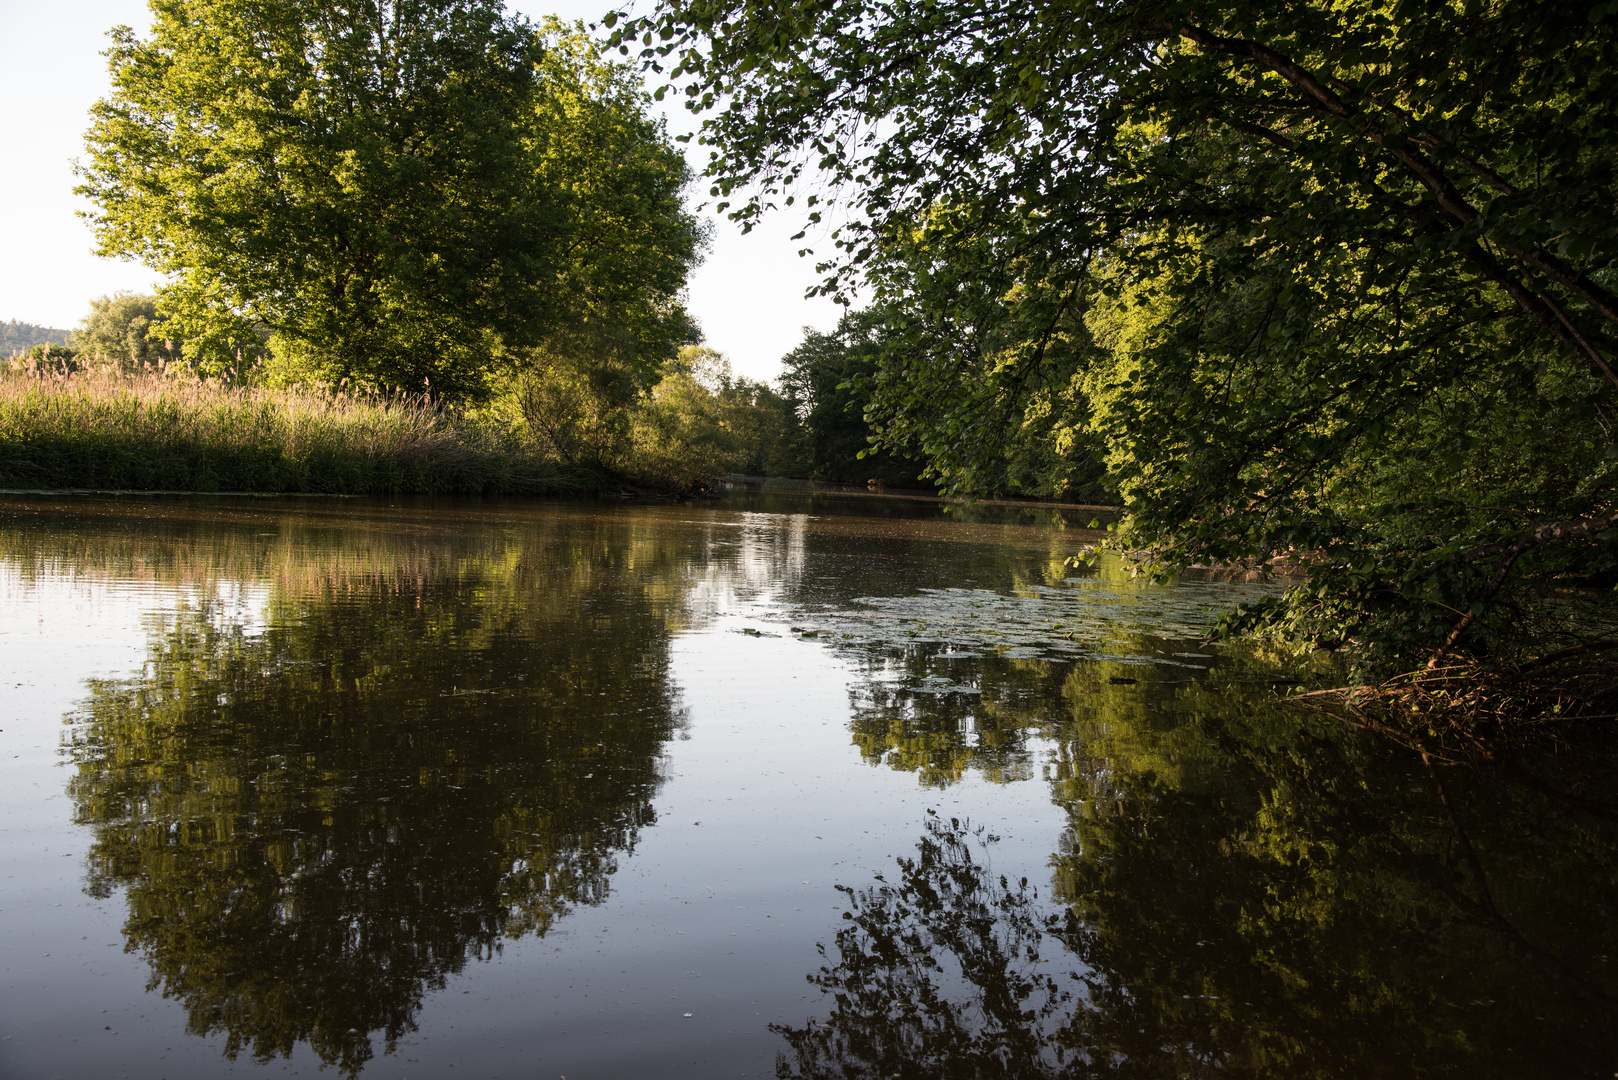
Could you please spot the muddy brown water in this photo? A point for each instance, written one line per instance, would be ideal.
(784, 785)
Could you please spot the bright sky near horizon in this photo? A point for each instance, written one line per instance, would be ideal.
(748, 295)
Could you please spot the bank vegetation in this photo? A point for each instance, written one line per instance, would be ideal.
(1313, 280)
(99, 424)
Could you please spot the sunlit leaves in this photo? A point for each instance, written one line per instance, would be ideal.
(376, 191)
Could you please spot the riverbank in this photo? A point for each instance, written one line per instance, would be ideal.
(877, 489)
(154, 431)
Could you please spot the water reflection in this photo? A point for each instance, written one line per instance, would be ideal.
(417, 757)
(941, 713)
(938, 975)
(1242, 891)
(1278, 895)
(367, 747)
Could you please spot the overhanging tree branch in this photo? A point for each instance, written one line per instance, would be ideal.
(1428, 172)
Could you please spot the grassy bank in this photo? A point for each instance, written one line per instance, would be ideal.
(155, 430)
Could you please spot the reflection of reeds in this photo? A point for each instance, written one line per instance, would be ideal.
(335, 550)
(154, 430)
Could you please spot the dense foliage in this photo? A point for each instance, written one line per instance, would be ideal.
(820, 377)
(838, 379)
(697, 423)
(625, 241)
(407, 193)
(1322, 279)
(127, 328)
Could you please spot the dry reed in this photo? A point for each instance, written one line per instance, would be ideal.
(164, 429)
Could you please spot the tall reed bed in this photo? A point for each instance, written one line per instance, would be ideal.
(159, 428)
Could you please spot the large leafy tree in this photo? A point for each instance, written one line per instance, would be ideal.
(348, 177)
(626, 246)
(1333, 278)
(398, 192)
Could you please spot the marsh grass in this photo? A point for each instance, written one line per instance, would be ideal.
(161, 428)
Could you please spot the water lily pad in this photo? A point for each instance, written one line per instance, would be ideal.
(1083, 618)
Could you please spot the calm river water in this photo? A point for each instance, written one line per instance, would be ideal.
(782, 785)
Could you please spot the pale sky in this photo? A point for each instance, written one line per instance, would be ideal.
(748, 296)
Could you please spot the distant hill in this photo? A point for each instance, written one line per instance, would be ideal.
(21, 335)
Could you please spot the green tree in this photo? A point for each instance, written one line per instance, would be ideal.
(1322, 277)
(700, 422)
(388, 191)
(678, 437)
(622, 262)
(822, 376)
(764, 425)
(126, 327)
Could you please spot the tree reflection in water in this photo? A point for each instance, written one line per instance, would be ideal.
(938, 975)
(316, 824)
(1242, 892)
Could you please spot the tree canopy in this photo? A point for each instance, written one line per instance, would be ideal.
(397, 193)
(1335, 280)
(126, 327)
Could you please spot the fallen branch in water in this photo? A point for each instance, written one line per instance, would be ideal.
(1462, 713)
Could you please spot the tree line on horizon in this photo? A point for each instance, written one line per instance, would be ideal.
(18, 336)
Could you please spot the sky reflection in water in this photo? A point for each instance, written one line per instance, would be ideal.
(512, 789)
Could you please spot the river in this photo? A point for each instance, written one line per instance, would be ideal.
(785, 784)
